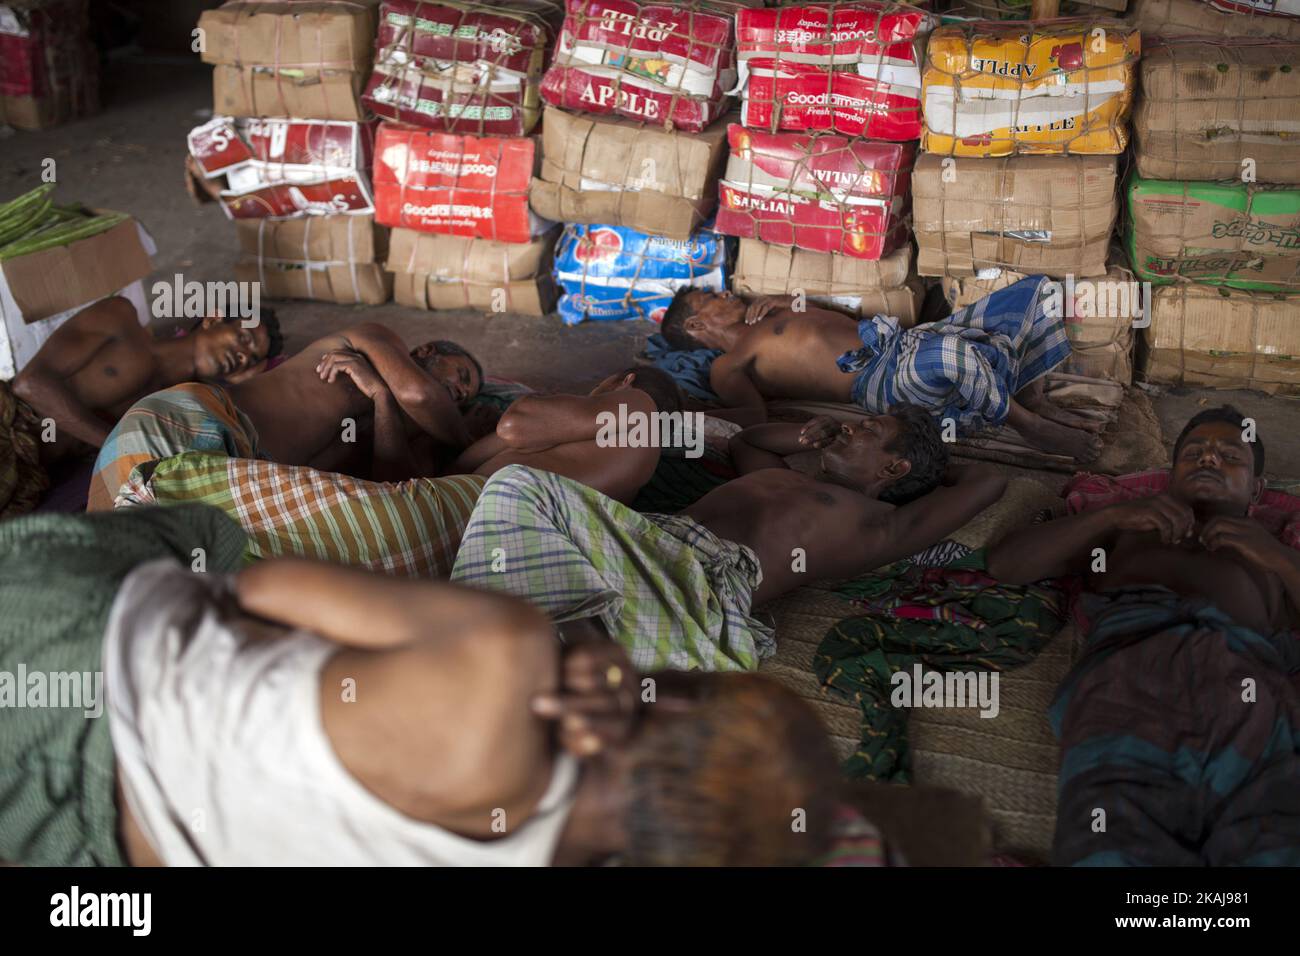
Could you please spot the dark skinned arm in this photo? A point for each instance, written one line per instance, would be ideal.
(42, 383)
(767, 446)
(393, 460)
(1249, 539)
(967, 490)
(1065, 545)
(736, 391)
(483, 450)
(425, 400)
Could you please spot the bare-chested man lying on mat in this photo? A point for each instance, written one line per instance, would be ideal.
(355, 401)
(678, 590)
(92, 369)
(313, 715)
(981, 367)
(1181, 721)
(563, 434)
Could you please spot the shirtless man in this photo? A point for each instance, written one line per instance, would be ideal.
(562, 434)
(355, 401)
(1182, 717)
(99, 363)
(678, 590)
(772, 351)
(472, 740)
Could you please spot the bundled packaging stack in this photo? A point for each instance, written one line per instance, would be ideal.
(1023, 126)
(633, 141)
(1214, 211)
(818, 177)
(288, 151)
(458, 84)
(1274, 19)
(49, 70)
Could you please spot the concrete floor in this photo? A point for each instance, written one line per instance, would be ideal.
(130, 157)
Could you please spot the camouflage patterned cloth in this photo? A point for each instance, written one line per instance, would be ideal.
(947, 618)
(23, 480)
(1184, 728)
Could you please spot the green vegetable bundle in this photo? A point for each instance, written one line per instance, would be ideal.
(32, 222)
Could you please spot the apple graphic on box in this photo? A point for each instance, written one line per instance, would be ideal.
(598, 245)
(1068, 57)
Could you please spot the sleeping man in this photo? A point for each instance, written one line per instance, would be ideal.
(679, 590)
(981, 367)
(562, 434)
(1180, 725)
(356, 402)
(304, 714)
(92, 369)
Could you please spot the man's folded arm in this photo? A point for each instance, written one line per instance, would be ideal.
(423, 398)
(536, 422)
(1050, 549)
(920, 524)
(765, 446)
(736, 391)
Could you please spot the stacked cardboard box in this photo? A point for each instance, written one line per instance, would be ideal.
(49, 71)
(1215, 201)
(458, 83)
(1023, 123)
(1177, 18)
(633, 142)
(818, 171)
(288, 152)
(1209, 337)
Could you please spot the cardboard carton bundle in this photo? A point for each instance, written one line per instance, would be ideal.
(1214, 111)
(614, 171)
(669, 64)
(328, 258)
(41, 290)
(1099, 318)
(1173, 18)
(470, 186)
(851, 68)
(860, 286)
(303, 58)
(450, 272)
(1051, 215)
(1243, 235)
(283, 167)
(825, 193)
(611, 272)
(49, 70)
(462, 66)
(1205, 337)
(999, 88)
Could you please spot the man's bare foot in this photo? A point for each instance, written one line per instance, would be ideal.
(1060, 439)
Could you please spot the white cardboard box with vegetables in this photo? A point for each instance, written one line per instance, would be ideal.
(56, 260)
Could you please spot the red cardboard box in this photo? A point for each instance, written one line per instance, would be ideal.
(285, 167)
(825, 193)
(849, 68)
(471, 186)
(668, 64)
(49, 70)
(462, 67)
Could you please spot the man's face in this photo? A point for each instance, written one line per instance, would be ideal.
(713, 314)
(227, 350)
(456, 372)
(1215, 467)
(861, 452)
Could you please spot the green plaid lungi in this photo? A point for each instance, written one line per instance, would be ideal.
(664, 586)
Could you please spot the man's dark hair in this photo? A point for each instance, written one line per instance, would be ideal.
(918, 441)
(1230, 416)
(673, 326)
(658, 384)
(448, 347)
(715, 769)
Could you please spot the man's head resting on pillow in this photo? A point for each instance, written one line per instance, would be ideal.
(896, 457)
(698, 319)
(1215, 468)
